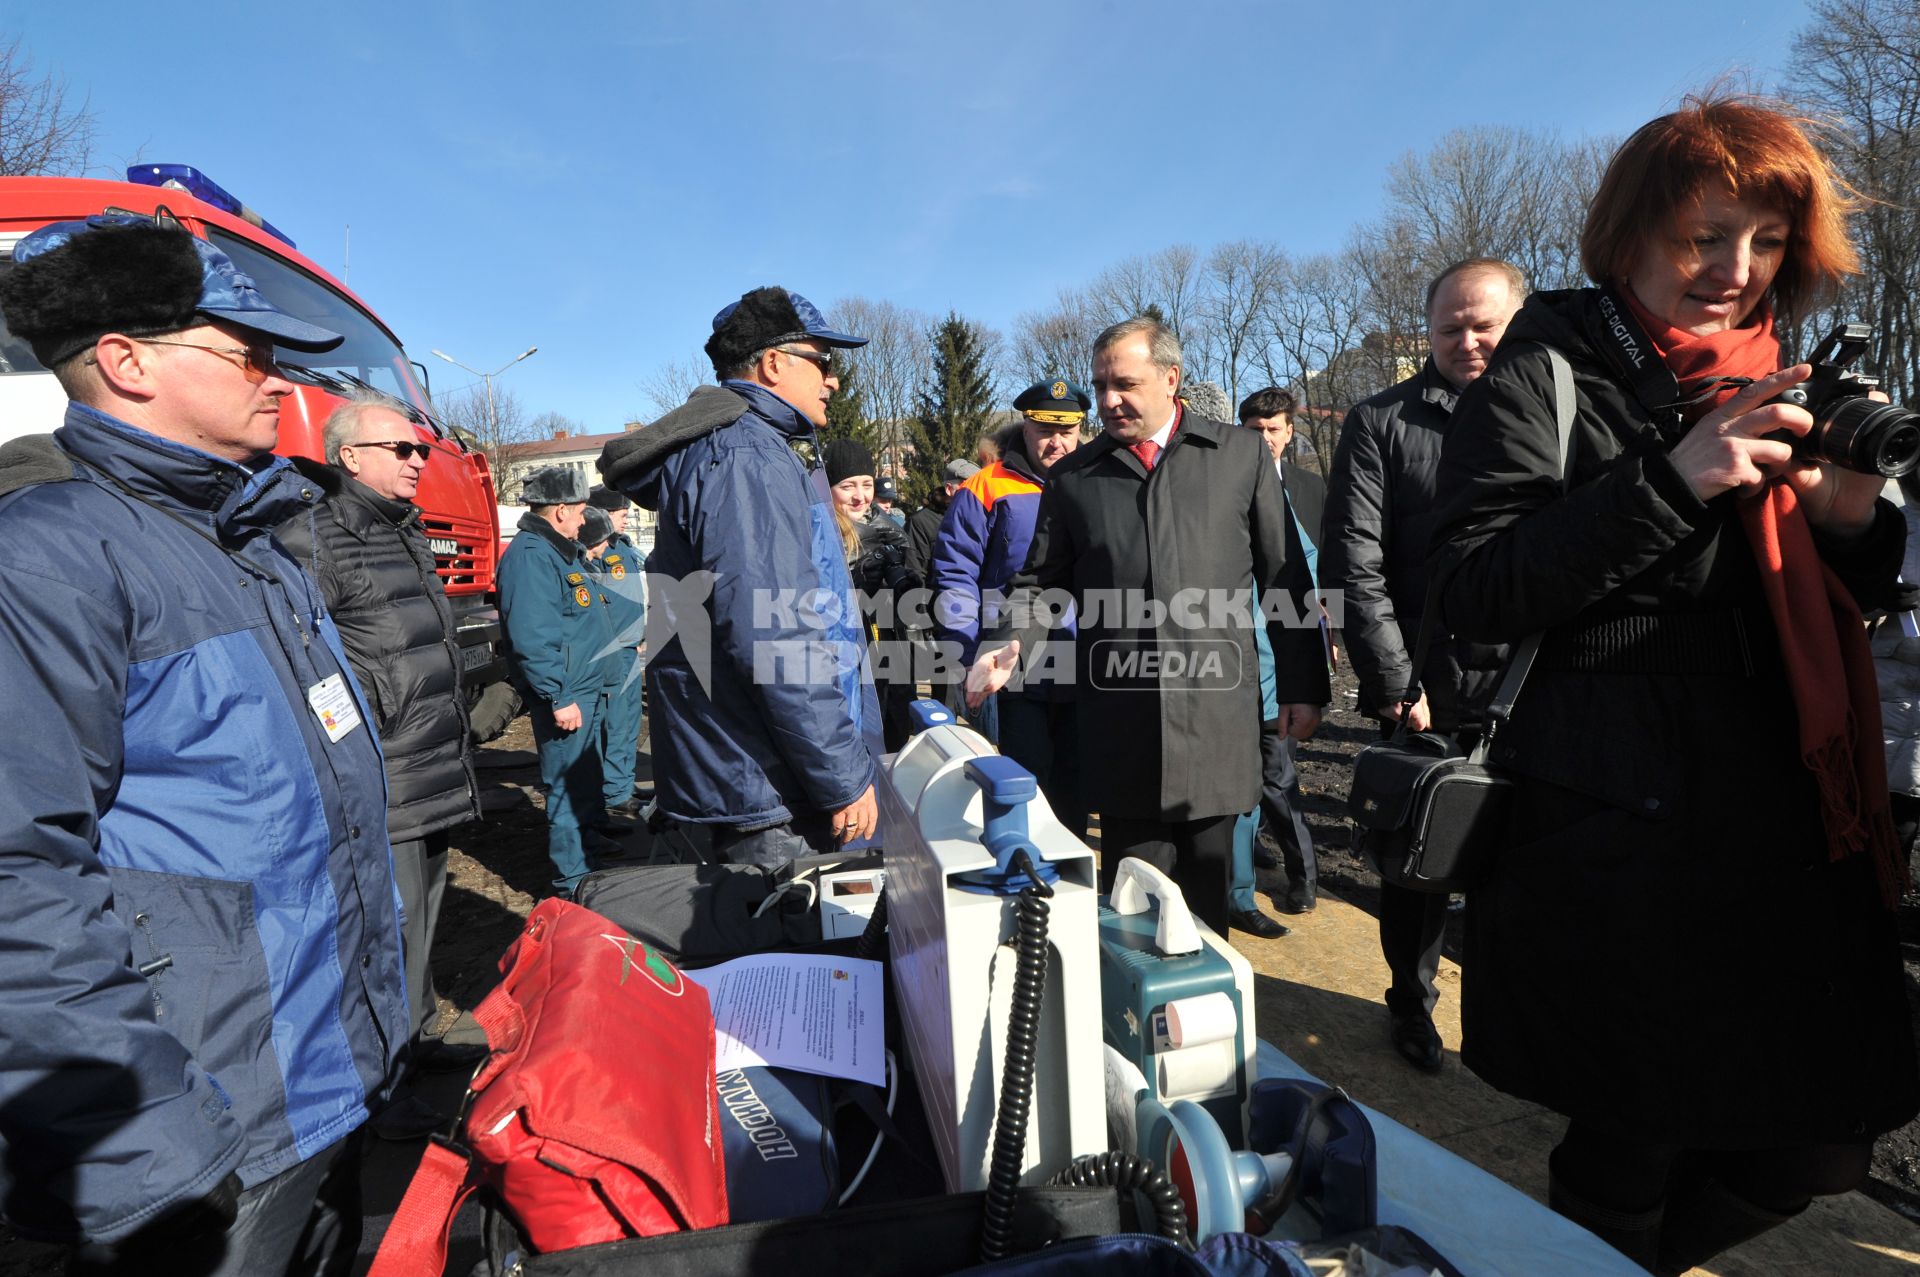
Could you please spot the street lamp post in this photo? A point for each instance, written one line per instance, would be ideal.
(493, 419)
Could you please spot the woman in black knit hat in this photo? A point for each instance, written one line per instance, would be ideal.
(877, 559)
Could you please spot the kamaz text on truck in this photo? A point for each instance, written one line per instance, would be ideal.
(458, 508)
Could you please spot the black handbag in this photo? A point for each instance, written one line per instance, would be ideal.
(1429, 818)
(1429, 815)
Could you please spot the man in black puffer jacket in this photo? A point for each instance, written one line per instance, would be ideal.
(363, 544)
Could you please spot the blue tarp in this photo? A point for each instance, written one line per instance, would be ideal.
(1486, 1227)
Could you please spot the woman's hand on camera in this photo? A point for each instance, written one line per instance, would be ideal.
(1834, 497)
(1726, 451)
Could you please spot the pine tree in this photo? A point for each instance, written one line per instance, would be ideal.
(955, 405)
(847, 409)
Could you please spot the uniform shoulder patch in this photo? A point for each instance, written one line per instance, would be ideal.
(582, 596)
(574, 578)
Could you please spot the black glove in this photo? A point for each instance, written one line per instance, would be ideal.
(879, 568)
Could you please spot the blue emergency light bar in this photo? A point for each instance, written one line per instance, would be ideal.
(184, 177)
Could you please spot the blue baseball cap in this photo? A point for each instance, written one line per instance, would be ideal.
(809, 322)
(222, 291)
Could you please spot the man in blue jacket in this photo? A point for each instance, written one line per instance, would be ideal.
(204, 986)
(622, 576)
(764, 721)
(560, 650)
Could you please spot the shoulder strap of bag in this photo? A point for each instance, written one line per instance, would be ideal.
(1522, 660)
(1521, 663)
(415, 1244)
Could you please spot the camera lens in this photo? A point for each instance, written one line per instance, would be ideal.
(1870, 437)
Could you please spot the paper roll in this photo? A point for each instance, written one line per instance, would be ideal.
(1197, 1073)
(1198, 1021)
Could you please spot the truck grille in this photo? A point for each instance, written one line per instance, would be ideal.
(464, 566)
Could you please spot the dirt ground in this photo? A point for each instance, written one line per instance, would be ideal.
(498, 869)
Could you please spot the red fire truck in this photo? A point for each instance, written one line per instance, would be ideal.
(459, 512)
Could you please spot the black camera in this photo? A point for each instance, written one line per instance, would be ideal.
(1850, 429)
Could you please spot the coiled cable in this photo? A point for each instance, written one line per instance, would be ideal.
(1128, 1171)
(872, 944)
(1016, 1080)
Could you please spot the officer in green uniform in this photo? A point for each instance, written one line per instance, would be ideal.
(560, 638)
(623, 571)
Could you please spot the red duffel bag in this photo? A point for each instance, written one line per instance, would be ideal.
(595, 1118)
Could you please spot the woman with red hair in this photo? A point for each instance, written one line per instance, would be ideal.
(1688, 946)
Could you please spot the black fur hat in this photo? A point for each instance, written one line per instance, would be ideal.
(762, 318)
(139, 279)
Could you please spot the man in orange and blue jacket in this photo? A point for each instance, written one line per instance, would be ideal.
(982, 542)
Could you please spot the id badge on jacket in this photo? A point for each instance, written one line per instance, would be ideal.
(332, 703)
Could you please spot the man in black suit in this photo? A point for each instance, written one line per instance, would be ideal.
(1270, 412)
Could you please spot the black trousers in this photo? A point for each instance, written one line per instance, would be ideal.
(1196, 854)
(304, 1222)
(1413, 927)
(805, 833)
(1280, 801)
(1044, 737)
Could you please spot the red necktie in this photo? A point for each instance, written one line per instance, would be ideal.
(1148, 451)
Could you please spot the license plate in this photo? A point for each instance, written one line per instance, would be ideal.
(472, 658)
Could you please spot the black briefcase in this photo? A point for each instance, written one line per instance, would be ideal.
(1428, 817)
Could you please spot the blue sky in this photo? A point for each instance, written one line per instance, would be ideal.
(598, 179)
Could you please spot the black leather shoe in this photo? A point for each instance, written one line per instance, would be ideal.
(1255, 923)
(1417, 1041)
(1300, 898)
(629, 810)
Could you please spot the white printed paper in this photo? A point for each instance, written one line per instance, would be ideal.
(810, 1012)
(333, 705)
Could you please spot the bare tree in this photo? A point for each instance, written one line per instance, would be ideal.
(1166, 284)
(668, 386)
(1053, 343)
(891, 367)
(1493, 191)
(553, 425)
(1858, 65)
(1388, 258)
(41, 131)
(466, 411)
(1241, 282)
(1316, 327)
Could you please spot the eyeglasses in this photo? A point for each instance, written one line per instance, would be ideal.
(823, 362)
(256, 362)
(404, 451)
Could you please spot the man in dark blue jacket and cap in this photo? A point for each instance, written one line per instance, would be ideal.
(560, 648)
(622, 575)
(764, 722)
(203, 988)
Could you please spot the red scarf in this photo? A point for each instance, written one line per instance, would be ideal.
(1823, 639)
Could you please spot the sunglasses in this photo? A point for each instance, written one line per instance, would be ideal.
(256, 362)
(404, 451)
(821, 361)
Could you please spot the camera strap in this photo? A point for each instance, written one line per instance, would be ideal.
(1520, 662)
(1618, 336)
